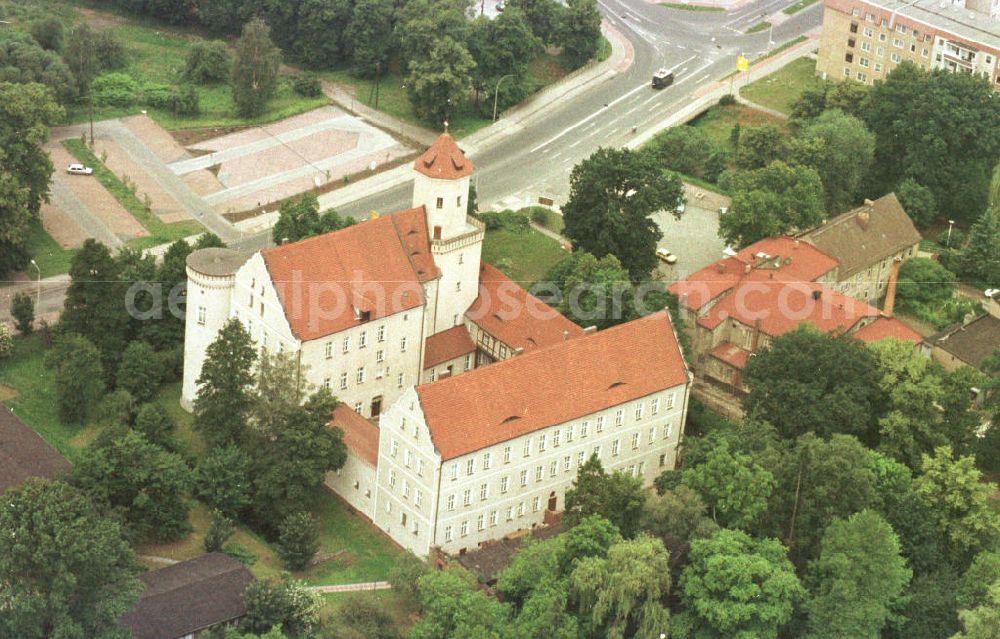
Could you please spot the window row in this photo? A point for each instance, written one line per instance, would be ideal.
(362, 340)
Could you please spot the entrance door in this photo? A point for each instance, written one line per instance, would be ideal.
(552, 501)
(376, 406)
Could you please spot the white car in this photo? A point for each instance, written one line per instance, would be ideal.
(681, 208)
(666, 256)
(992, 292)
(723, 210)
(79, 169)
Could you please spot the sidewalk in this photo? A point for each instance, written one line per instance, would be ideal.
(412, 135)
(370, 585)
(711, 94)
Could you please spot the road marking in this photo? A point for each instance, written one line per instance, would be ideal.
(589, 117)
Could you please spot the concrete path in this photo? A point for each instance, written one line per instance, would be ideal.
(760, 107)
(371, 585)
(412, 135)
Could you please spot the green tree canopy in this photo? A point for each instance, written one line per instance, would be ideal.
(453, 609)
(613, 195)
(222, 479)
(22, 60)
(846, 149)
(734, 488)
(371, 35)
(140, 372)
(222, 407)
(979, 261)
(579, 31)
(79, 377)
(616, 496)
(66, 570)
(255, 69)
(918, 202)
(437, 84)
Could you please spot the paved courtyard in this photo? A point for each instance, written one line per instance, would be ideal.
(260, 165)
(694, 238)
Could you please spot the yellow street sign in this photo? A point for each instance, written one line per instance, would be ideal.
(742, 63)
(373, 215)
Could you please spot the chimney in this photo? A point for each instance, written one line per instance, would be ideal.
(863, 218)
(720, 266)
(747, 268)
(565, 335)
(890, 293)
(795, 244)
(755, 341)
(817, 294)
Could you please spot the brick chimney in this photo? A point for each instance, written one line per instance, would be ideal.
(890, 293)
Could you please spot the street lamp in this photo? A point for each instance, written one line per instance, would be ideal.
(496, 94)
(951, 223)
(38, 288)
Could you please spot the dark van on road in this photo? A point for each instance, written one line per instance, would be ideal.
(663, 78)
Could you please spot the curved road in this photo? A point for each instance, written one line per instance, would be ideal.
(701, 47)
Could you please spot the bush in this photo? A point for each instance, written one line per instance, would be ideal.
(298, 540)
(506, 220)
(404, 575)
(219, 530)
(6, 342)
(48, 33)
(681, 148)
(79, 377)
(727, 100)
(241, 553)
(362, 616)
(110, 51)
(955, 242)
(154, 422)
(184, 101)
(22, 307)
(117, 408)
(207, 62)
(307, 85)
(539, 215)
(139, 371)
(115, 89)
(158, 96)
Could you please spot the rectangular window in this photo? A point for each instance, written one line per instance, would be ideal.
(878, 68)
(481, 522)
(597, 450)
(524, 477)
(468, 362)
(347, 345)
(615, 446)
(866, 46)
(896, 42)
(896, 58)
(504, 483)
(541, 443)
(863, 62)
(663, 460)
(399, 380)
(580, 458)
(470, 466)
(667, 431)
(466, 496)
(619, 417)
(201, 315)
(670, 400)
(868, 32)
(406, 489)
(567, 460)
(487, 460)
(328, 350)
(539, 471)
(635, 441)
(879, 52)
(458, 286)
(493, 518)
(464, 530)
(439, 203)
(520, 509)
(406, 457)
(361, 375)
(631, 470)
(357, 407)
(510, 513)
(451, 502)
(850, 43)
(420, 468)
(379, 356)
(454, 471)
(527, 447)
(900, 28)
(655, 406)
(536, 504)
(553, 468)
(363, 339)
(447, 534)
(569, 433)
(506, 454)
(402, 344)
(882, 37)
(483, 492)
(599, 427)
(584, 428)
(652, 434)
(326, 382)
(638, 411)
(393, 448)
(381, 333)
(392, 479)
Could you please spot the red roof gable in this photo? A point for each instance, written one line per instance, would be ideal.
(552, 385)
(514, 316)
(779, 307)
(731, 354)
(360, 435)
(448, 345)
(444, 160)
(376, 267)
(778, 258)
(885, 328)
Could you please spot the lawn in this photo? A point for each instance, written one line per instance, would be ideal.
(52, 259)
(402, 609)
(780, 89)
(718, 121)
(692, 7)
(159, 231)
(798, 6)
(523, 256)
(760, 26)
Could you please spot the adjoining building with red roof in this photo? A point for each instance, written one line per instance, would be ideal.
(827, 277)
(479, 456)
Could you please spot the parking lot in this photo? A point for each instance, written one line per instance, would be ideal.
(694, 238)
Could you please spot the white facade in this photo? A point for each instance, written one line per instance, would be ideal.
(355, 483)
(486, 494)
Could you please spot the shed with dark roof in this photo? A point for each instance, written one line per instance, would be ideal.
(966, 344)
(188, 597)
(23, 454)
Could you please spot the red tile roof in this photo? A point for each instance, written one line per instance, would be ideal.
(444, 160)
(360, 435)
(376, 266)
(448, 345)
(731, 354)
(779, 258)
(552, 385)
(780, 307)
(515, 317)
(885, 328)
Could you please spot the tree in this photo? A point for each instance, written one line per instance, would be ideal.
(298, 540)
(222, 479)
(975, 583)
(207, 62)
(405, 572)
(535, 565)
(941, 129)
(918, 202)
(297, 219)
(48, 32)
(546, 614)
(437, 84)
(737, 586)
(363, 617)
(421, 23)
(22, 61)
(141, 479)
(579, 31)
(81, 56)
(222, 406)
(255, 69)
(810, 381)
(286, 604)
(67, 571)
(858, 579)
(774, 200)
(930, 611)
(593, 292)
(220, 528)
(923, 282)
(623, 594)
(26, 112)
(617, 497)
(502, 48)
(979, 261)
(613, 194)
(6, 342)
(542, 16)
(846, 152)
(684, 149)
(321, 31)
(167, 332)
(139, 372)
(592, 537)
(959, 501)
(371, 35)
(79, 377)
(453, 609)
(761, 145)
(734, 488)
(155, 424)
(22, 308)
(677, 517)
(982, 622)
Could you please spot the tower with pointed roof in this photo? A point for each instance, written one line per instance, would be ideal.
(441, 186)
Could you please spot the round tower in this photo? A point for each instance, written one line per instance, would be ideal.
(441, 186)
(211, 275)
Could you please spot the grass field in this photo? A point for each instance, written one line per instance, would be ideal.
(780, 89)
(52, 259)
(522, 256)
(798, 6)
(692, 7)
(159, 231)
(717, 122)
(760, 26)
